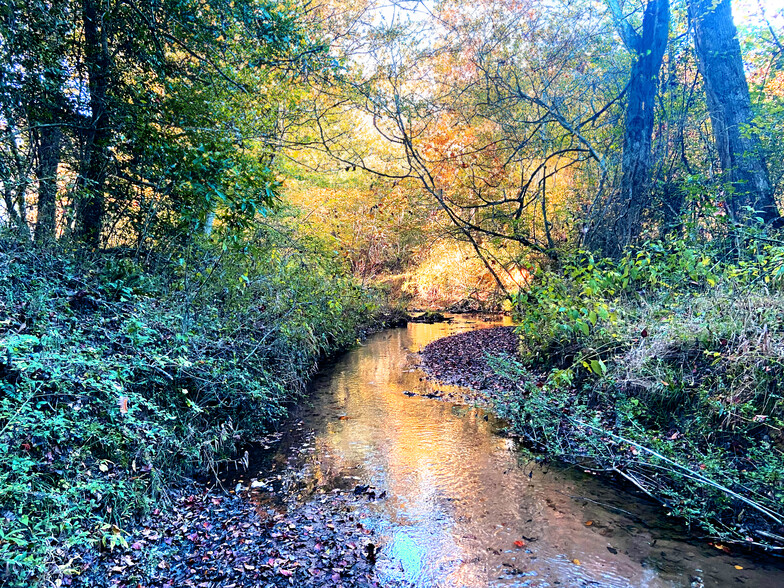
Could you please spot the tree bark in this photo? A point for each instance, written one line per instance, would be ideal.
(95, 158)
(621, 218)
(48, 156)
(720, 62)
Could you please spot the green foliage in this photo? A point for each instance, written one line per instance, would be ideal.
(185, 99)
(116, 383)
(677, 387)
(582, 302)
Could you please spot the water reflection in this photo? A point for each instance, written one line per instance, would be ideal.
(458, 500)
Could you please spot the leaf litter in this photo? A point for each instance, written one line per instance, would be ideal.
(268, 533)
(461, 359)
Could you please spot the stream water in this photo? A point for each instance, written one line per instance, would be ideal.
(463, 506)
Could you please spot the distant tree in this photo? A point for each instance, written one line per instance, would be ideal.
(491, 109)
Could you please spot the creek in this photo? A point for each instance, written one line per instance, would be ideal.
(458, 504)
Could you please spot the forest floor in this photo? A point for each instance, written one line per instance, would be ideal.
(257, 533)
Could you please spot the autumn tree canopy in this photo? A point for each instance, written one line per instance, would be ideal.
(517, 129)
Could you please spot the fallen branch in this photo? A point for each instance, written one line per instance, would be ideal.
(689, 473)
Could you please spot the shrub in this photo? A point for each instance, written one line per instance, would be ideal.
(667, 367)
(119, 380)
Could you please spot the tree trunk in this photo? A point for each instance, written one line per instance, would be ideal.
(621, 219)
(740, 152)
(95, 158)
(48, 156)
(15, 221)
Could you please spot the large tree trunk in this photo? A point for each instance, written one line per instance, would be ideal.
(740, 152)
(95, 158)
(621, 218)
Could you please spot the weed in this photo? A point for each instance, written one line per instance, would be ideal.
(665, 367)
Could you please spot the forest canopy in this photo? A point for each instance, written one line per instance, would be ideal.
(516, 128)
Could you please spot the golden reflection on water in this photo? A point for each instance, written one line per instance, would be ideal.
(419, 335)
(457, 498)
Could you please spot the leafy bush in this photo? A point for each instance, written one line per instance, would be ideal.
(118, 380)
(667, 367)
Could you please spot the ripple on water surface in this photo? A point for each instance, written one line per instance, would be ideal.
(461, 509)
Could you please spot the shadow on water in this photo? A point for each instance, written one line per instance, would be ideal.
(458, 504)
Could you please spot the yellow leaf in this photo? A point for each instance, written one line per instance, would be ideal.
(576, 562)
(738, 567)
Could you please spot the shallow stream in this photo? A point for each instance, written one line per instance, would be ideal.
(463, 506)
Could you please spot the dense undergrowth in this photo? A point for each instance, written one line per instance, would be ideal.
(666, 368)
(120, 377)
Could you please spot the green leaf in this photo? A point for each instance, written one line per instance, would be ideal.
(598, 367)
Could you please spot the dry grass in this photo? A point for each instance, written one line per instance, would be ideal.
(727, 343)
